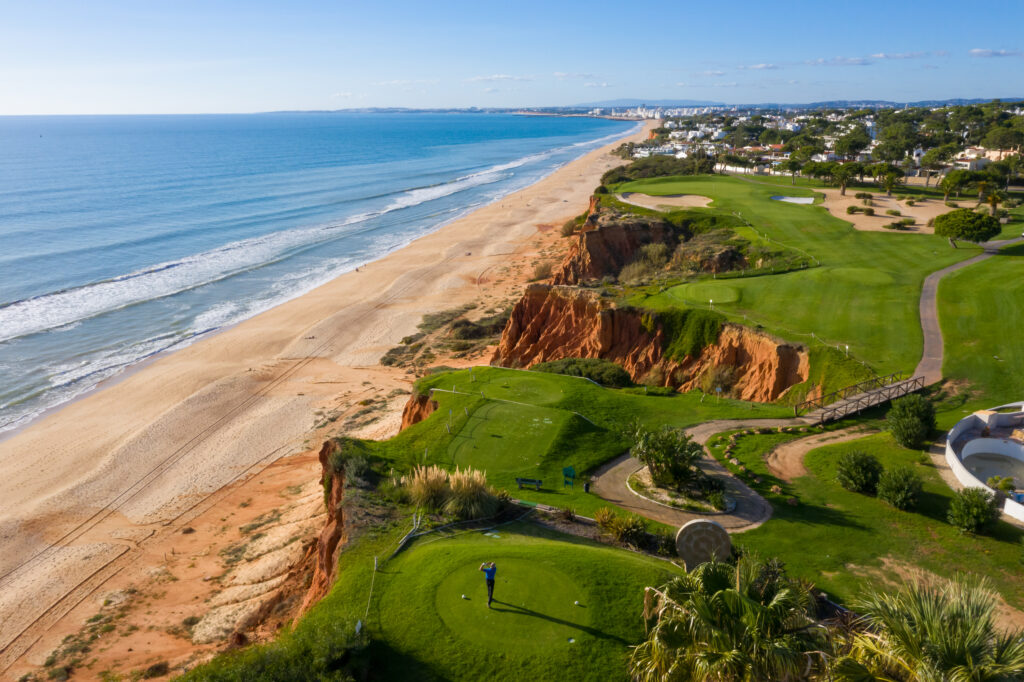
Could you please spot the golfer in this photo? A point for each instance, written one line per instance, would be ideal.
(489, 568)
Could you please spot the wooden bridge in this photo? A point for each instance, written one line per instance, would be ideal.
(858, 397)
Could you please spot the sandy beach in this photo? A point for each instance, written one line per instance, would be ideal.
(84, 489)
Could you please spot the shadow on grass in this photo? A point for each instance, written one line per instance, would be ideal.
(387, 663)
(813, 514)
(593, 632)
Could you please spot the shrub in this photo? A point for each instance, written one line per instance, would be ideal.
(852, 209)
(900, 486)
(952, 204)
(569, 228)
(604, 518)
(858, 472)
(664, 541)
(604, 372)
(717, 500)
(911, 202)
(891, 211)
(630, 529)
(428, 487)
(911, 420)
(670, 454)
(637, 272)
(357, 468)
(601, 189)
(469, 495)
(542, 270)
(869, 211)
(863, 195)
(972, 509)
(1004, 484)
(656, 254)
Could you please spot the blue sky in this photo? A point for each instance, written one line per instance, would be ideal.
(151, 56)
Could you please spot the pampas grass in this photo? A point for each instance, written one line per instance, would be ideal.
(463, 493)
(428, 487)
(471, 497)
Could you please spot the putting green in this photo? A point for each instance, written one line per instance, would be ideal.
(503, 437)
(703, 292)
(534, 605)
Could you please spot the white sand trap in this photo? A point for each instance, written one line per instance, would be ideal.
(795, 200)
(666, 202)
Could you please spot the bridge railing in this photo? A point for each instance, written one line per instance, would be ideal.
(869, 399)
(847, 391)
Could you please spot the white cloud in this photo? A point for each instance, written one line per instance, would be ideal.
(402, 82)
(979, 52)
(343, 95)
(725, 85)
(596, 85)
(759, 67)
(840, 61)
(682, 85)
(497, 77)
(713, 73)
(898, 55)
(561, 75)
(490, 90)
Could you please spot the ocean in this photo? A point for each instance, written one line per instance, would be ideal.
(127, 236)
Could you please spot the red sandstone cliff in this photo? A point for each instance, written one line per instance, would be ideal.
(608, 242)
(418, 408)
(333, 536)
(555, 322)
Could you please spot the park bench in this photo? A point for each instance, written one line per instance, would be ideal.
(528, 481)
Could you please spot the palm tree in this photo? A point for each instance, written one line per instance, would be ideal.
(892, 179)
(994, 198)
(842, 176)
(727, 623)
(983, 185)
(932, 631)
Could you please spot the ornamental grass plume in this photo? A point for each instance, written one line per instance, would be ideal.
(428, 487)
(469, 495)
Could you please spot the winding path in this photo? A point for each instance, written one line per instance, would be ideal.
(785, 461)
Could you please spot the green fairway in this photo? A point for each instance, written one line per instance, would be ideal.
(841, 540)
(981, 310)
(532, 425)
(534, 631)
(864, 294)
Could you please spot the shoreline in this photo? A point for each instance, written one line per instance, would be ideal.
(129, 369)
(85, 484)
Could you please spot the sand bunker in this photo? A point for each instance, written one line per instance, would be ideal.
(922, 211)
(665, 203)
(795, 200)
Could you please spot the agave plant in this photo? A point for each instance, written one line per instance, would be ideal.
(726, 622)
(931, 631)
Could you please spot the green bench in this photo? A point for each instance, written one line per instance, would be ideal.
(535, 482)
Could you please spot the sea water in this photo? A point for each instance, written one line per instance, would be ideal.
(126, 236)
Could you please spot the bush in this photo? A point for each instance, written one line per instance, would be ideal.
(670, 454)
(900, 486)
(604, 518)
(972, 509)
(859, 472)
(952, 204)
(428, 487)
(850, 210)
(1004, 484)
(637, 272)
(891, 211)
(869, 211)
(470, 496)
(717, 500)
(911, 420)
(630, 529)
(569, 228)
(542, 270)
(357, 468)
(656, 254)
(863, 195)
(604, 372)
(911, 202)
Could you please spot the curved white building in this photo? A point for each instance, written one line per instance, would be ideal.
(990, 443)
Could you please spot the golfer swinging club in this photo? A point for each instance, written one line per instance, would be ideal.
(489, 569)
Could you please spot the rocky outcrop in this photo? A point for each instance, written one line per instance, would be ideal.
(555, 322)
(333, 536)
(608, 242)
(418, 408)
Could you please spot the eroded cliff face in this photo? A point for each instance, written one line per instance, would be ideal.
(418, 408)
(608, 242)
(333, 536)
(555, 322)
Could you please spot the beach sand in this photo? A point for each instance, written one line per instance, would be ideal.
(83, 489)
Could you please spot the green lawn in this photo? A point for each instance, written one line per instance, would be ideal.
(532, 424)
(865, 293)
(423, 628)
(841, 540)
(982, 328)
